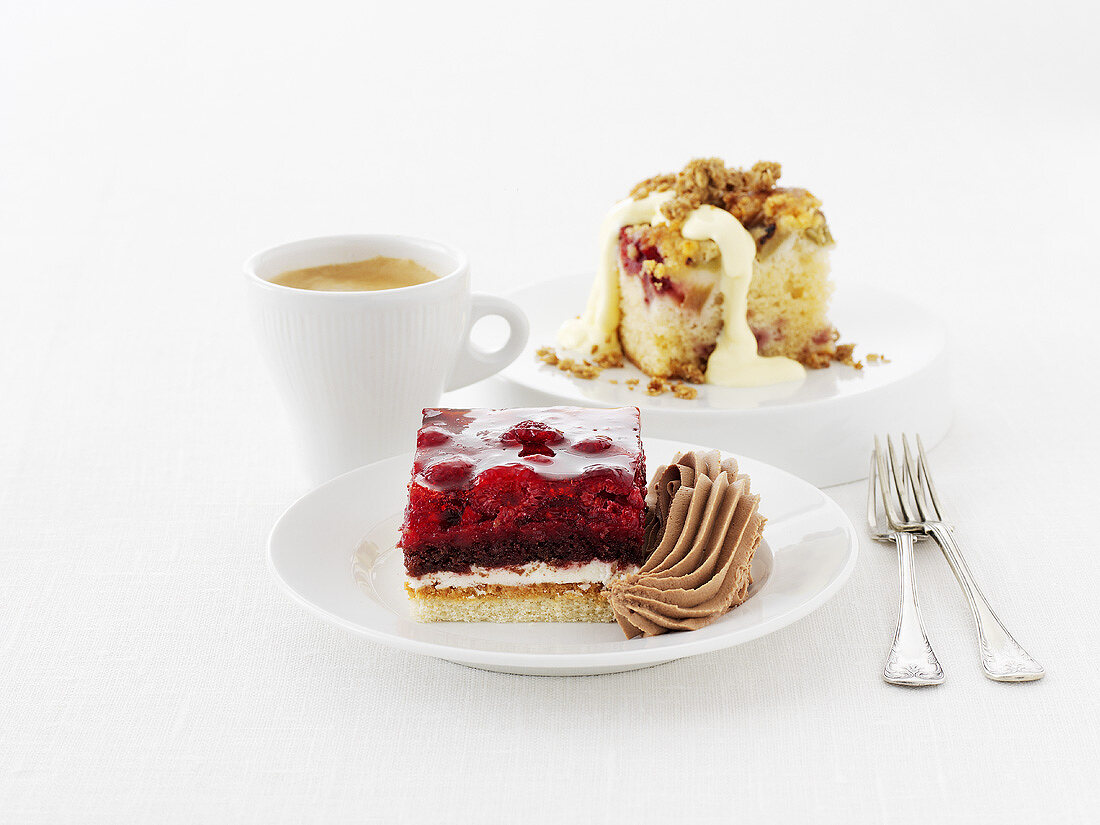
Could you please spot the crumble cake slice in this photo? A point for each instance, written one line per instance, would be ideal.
(671, 306)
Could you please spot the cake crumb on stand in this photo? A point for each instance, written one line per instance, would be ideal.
(656, 386)
(589, 370)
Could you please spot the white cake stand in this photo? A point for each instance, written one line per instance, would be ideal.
(820, 428)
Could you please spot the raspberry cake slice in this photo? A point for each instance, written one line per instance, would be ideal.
(523, 515)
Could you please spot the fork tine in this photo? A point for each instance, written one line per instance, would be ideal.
(913, 477)
(872, 486)
(908, 512)
(926, 478)
(883, 478)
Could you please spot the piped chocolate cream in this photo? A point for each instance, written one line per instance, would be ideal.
(702, 529)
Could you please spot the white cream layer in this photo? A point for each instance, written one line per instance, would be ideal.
(735, 361)
(536, 572)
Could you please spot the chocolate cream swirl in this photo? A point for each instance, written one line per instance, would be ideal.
(702, 528)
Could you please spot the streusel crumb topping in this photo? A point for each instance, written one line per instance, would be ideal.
(750, 196)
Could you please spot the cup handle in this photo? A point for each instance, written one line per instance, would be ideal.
(473, 363)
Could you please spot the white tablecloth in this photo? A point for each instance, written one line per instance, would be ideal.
(150, 671)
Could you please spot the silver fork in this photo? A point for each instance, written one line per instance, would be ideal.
(1003, 659)
(911, 660)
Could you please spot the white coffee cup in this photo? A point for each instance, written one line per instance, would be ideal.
(355, 368)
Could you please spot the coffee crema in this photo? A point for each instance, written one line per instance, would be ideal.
(359, 276)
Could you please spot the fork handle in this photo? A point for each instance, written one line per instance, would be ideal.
(911, 661)
(1003, 660)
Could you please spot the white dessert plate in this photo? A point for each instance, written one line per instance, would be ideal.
(819, 428)
(334, 552)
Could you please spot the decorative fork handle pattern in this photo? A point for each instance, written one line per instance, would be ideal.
(911, 661)
(1003, 659)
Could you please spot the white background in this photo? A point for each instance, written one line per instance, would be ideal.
(149, 669)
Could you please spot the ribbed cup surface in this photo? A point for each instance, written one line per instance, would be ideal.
(355, 369)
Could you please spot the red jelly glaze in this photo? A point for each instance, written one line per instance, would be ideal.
(448, 471)
(596, 444)
(635, 238)
(560, 485)
(431, 437)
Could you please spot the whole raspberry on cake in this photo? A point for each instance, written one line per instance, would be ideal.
(713, 274)
(523, 515)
